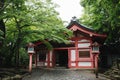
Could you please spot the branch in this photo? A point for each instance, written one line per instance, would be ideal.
(3, 7)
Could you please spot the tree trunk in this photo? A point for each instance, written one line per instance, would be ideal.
(2, 24)
(18, 42)
(2, 28)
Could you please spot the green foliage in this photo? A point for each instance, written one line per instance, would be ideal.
(24, 57)
(104, 16)
(27, 21)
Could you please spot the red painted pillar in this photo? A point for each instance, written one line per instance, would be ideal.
(93, 55)
(96, 61)
(53, 59)
(96, 64)
(30, 62)
(31, 51)
(76, 53)
(48, 62)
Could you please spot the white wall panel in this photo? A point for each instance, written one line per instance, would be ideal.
(84, 40)
(73, 64)
(80, 45)
(50, 55)
(73, 55)
(45, 64)
(84, 64)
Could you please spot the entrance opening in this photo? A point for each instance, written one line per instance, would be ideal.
(61, 58)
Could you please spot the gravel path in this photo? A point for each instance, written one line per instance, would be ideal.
(62, 74)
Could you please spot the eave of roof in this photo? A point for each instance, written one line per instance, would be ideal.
(85, 29)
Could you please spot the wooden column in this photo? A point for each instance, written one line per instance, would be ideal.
(96, 64)
(31, 51)
(96, 61)
(53, 59)
(76, 53)
(30, 62)
(48, 62)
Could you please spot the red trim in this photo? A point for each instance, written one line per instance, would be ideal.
(76, 52)
(69, 58)
(93, 57)
(80, 38)
(61, 48)
(96, 61)
(84, 59)
(77, 55)
(38, 43)
(86, 31)
(48, 62)
(73, 61)
(30, 62)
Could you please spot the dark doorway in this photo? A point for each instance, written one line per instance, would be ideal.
(104, 62)
(61, 58)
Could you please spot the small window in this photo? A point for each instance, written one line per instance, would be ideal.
(82, 45)
(95, 48)
(84, 40)
(31, 49)
(84, 54)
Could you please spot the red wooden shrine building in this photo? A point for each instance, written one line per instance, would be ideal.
(82, 52)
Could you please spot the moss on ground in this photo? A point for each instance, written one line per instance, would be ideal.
(12, 74)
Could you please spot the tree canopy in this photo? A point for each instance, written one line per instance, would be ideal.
(103, 16)
(26, 21)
